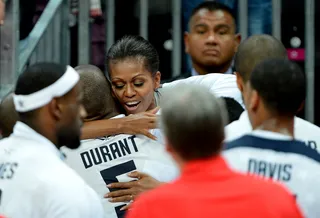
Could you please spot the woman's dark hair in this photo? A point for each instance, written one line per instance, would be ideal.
(133, 47)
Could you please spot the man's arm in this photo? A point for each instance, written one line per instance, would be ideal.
(222, 85)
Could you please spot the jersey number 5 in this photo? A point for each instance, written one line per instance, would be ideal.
(110, 176)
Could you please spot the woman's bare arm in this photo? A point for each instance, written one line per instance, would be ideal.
(133, 124)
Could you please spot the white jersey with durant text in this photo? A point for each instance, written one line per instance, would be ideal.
(36, 183)
(279, 157)
(303, 131)
(109, 159)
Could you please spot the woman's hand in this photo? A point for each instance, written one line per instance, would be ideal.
(128, 191)
(140, 123)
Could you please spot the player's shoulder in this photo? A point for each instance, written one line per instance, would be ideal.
(282, 147)
(5, 145)
(9, 142)
(299, 122)
(224, 77)
(238, 128)
(60, 180)
(302, 126)
(242, 141)
(73, 197)
(266, 187)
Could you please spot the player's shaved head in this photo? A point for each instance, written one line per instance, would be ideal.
(97, 99)
(8, 115)
(254, 50)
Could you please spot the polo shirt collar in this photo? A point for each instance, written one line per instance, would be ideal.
(213, 165)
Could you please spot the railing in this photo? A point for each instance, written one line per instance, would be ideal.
(9, 47)
(176, 25)
(48, 41)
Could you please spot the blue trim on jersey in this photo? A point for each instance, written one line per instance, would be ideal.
(286, 146)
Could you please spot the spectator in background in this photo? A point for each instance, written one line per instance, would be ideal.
(212, 40)
(223, 192)
(27, 13)
(259, 16)
(97, 33)
(2, 11)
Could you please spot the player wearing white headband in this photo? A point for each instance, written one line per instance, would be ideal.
(35, 182)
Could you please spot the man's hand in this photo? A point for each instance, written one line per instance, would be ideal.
(2, 12)
(140, 123)
(129, 190)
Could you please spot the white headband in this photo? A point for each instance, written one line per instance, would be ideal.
(25, 103)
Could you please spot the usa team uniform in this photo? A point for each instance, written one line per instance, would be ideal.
(109, 159)
(280, 158)
(303, 130)
(36, 183)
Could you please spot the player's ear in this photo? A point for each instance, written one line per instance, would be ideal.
(169, 148)
(254, 100)
(55, 108)
(237, 39)
(239, 82)
(186, 42)
(157, 80)
(301, 106)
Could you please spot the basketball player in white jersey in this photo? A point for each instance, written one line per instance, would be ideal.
(250, 53)
(34, 180)
(270, 150)
(105, 160)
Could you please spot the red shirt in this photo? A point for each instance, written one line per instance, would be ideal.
(209, 188)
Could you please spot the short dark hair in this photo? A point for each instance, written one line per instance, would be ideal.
(133, 47)
(213, 6)
(37, 77)
(234, 109)
(281, 85)
(254, 50)
(97, 97)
